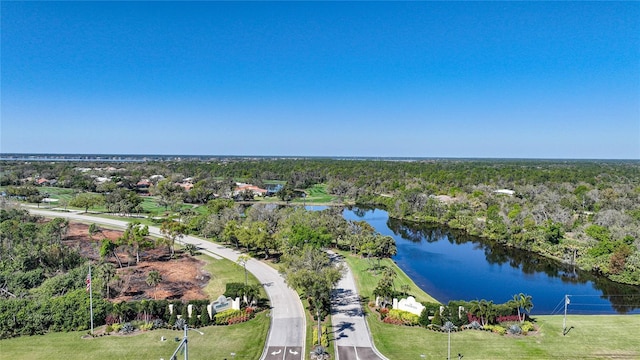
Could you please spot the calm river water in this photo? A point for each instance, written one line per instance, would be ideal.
(452, 266)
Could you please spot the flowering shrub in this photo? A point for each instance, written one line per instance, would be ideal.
(507, 318)
(496, 329)
(526, 327)
(230, 317)
(401, 317)
(111, 319)
(390, 320)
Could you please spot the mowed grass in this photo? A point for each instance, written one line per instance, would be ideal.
(225, 271)
(367, 278)
(246, 340)
(592, 337)
(317, 194)
(61, 194)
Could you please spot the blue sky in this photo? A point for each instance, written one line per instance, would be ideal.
(418, 79)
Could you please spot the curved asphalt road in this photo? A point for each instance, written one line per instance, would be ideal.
(286, 339)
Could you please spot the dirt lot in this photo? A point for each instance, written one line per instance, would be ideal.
(182, 277)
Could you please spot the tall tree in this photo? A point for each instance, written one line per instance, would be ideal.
(86, 200)
(172, 231)
(136, 237)
(169, 193)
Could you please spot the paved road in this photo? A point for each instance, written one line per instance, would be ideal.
(353, 339)
(286, 337)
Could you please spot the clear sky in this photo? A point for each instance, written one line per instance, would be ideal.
(407, 79)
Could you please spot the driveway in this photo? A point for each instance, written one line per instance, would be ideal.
(353, 339)
(286, 339)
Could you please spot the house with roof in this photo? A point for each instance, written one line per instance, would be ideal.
(42, 182)
(241, 187)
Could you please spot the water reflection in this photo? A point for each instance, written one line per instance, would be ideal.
(451, 264)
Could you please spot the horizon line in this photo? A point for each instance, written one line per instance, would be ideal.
(14, 156)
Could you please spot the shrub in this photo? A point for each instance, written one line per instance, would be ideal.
(229, 317)
(496, 329)
(507, 318)
(146, 327)
(527, 326)
(127, 328)
(158, 323)
(514, 330)
(116, 327)
(205, 320)
(108, 329)
(233, 289)
(324, 339)
(474, 325)
(401, 317)
(111, 319)
(173, 318)
(424, 318)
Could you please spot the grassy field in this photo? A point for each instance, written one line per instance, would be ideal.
(246, 340)
(367, 279)
(592, 337)
(224, 271)
(317, 194)
(61, 194)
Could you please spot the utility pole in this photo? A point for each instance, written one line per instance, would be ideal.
(564, 321)
(184, 343)
(89, 288)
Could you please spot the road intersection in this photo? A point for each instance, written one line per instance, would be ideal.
(287, 333)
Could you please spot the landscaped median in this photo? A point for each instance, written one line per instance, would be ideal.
(589, 336)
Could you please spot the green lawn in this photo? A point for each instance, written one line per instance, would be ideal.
(61, 194)
(246, 340)
(317, 194)
(592, 337)
(225, 271)
(367, 279)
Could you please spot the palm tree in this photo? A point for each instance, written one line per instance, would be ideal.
(484, 309)
(390, 274)
(153, 279)
(242, 260)
(250, 294)
(522, 301)
(107, 271)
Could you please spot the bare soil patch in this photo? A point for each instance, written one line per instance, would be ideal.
(182, 277)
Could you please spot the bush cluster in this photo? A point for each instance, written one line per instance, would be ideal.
(231, 316)
(324, 338)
